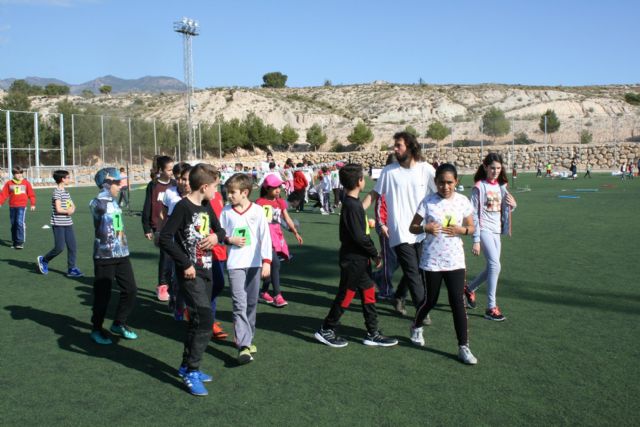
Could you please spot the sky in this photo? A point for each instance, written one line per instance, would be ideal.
(543, 42)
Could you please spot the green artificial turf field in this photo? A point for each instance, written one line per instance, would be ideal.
(566, 354)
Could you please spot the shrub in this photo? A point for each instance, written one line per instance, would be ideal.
(586, 137)
(274, 80)
(632, 98)
(360, 134)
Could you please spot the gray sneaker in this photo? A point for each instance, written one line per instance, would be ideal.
(399, 306)
(465, 355)
(416, 336)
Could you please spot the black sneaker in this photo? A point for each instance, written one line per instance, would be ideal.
(379, 340)
(329, 337)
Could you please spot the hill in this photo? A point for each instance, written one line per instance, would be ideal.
(148, 84)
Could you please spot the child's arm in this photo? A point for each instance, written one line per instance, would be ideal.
(464, 229)
(218, 235)
(291, 225)
(475, 203)
(31, 195)
(146, 212)
(354, 221)
(5, 192)
(265, 246)
(167, 241)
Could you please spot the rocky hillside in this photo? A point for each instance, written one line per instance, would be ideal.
(387, 108)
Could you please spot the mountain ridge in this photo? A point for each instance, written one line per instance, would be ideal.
(146, 84)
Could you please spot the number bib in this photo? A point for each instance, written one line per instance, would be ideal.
(242, 232)
(17, 189)
(117, 222)
(203, 221)
(268, 212)
(449, 220)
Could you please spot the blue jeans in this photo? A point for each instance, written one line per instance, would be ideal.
(63, 235)
(16, 215)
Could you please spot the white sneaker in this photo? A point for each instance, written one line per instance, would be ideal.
(416, 336)
(465, 355)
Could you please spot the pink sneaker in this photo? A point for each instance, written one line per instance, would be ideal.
(162, 292)
(279, 301)
(266, 298)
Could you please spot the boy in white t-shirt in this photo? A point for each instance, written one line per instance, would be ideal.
(248, 261)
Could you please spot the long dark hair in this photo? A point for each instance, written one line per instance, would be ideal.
(411, 142)
(481, 173)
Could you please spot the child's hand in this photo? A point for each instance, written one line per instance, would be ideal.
(377, 261)
(475, 249)
(266, 269)
(149, 236)
(511, 201)
(237, 241)
(451, 230)
(33, 208)
(208, 242)
(433, 228)
(298, 237)
(190, 273)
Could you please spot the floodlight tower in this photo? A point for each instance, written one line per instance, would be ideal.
(189, 28)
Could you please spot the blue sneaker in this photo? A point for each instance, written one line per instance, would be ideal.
(194, 384)
(123, 331)
(182, 371)
(43, 265)
(74, 272)
(99, 337)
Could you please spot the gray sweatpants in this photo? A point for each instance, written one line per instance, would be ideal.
(245, 285)
(490, 245)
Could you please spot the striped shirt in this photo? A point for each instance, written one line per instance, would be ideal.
(65, 202)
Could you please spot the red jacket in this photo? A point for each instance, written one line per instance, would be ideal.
(217, 203)
(299, 181)
(18, 193)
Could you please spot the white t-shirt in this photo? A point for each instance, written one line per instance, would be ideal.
(443, 253)
(404, 189)
(252, 225)
(170, 199)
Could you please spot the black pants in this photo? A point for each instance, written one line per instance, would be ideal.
(105, 271)
(408, 256)
(274, 278)
(355, 278)
(197, 297)
(165, 263)
(300, 195)
(455, 287)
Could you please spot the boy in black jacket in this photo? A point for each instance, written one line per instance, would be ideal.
(356, 251)
(188, 238)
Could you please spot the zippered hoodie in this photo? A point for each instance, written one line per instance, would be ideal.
(18, 193)
(479, 202)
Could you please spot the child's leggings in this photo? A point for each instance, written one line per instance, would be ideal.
(275, 275)
(490, 245)
(455, 287)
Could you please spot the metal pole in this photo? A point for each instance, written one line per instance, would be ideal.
(130, 146)
(140, 154)
(73, 139)
(219, 141)
(102, 135)
(8, 124)
(29, 155)
(61, 140)
(200, 139)
(36, 137)
(155, 142)
(178, 126)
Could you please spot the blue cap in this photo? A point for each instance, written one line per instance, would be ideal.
(107, 176)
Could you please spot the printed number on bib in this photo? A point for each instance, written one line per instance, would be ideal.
(268, 212)
(17, 189)
(449, 220)
(117, 222)
(243, 232)
(203, 221)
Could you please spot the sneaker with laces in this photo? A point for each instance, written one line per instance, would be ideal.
(162, 292)
(376, 339)
(279, 301)
(193, 382)
(465, 355)
(43, 265)
(470, 297)
(18, 246)
(74, 272)
(124, 331)
(100, 337)
(399, 306)
(244, 356)
(218, 332)
(494, 314)
(329, 337)
(416, 336)
(266, 298)
(182, 372)
(253, 349)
